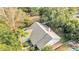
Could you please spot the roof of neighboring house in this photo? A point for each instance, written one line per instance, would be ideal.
(41, 36)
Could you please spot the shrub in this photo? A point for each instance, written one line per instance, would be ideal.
(47, 48)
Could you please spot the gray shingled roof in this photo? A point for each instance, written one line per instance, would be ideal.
(40, 36)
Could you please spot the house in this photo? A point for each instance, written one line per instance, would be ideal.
(42, 36)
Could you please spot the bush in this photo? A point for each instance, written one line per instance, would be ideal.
(47, 48)
(31, 48)
(26, 44)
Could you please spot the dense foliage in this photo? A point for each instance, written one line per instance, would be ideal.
(31, 11)
(8, 39)
(45, 15)
(63, 20)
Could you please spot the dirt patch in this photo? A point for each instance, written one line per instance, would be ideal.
(62, 48)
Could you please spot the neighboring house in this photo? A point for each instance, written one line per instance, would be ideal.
(42, 36)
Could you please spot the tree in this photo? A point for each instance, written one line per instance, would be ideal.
(13, 17)
(32, 11)
(64, 18)
(45, 15)
(8, 39)
(62, 15)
